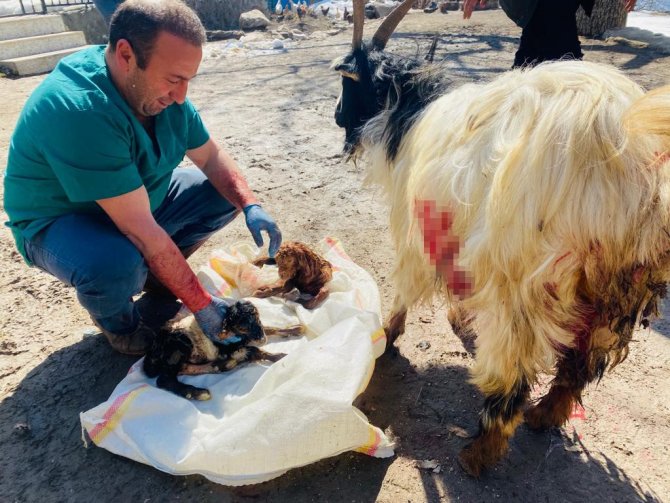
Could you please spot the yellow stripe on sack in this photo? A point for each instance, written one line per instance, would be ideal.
(226, 291)
(378, 335)
(370, 448)
(115, 413)
(216, 264)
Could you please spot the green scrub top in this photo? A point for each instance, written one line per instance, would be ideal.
(77, 141)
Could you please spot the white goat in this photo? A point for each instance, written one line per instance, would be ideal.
(541, 199)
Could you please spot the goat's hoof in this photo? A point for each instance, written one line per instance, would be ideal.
(470, 461)
(203, 395)
(262, 293)
(200, 394)
(310, 304)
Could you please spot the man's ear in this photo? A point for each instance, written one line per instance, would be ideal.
(124, 54)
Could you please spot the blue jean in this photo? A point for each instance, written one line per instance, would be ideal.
(88, 251)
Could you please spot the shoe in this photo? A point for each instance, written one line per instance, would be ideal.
(136, 343)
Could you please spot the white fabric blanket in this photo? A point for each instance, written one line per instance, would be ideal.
(262, 419)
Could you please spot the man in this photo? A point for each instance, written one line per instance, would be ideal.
(91, 189)
(549, 27)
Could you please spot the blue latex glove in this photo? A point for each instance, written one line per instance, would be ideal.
(210, 318)
(258, 220)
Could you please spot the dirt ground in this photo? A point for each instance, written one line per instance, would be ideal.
(273, 110)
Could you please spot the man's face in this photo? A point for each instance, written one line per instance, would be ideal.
(172, 64)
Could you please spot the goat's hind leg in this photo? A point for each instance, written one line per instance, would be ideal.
(554, 408)
(245, 354)
(171, 383)
(575, 369)
(317, 299)
(167, 356)
(291, 331)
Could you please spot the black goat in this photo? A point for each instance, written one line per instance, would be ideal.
(384, 87)
(188, 351)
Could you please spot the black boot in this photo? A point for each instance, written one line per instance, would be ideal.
(158, 304)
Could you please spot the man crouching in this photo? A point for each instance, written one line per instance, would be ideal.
(91, 189)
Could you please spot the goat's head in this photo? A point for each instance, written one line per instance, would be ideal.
(367, 74)
(242, 320)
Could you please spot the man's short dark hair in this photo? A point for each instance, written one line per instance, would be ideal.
(140, 22)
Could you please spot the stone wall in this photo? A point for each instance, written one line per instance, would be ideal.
(225, 14)
(87, 19)
(215, 15)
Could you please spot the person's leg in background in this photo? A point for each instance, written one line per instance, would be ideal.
(550, 34)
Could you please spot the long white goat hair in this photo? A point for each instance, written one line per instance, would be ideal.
(554, 176)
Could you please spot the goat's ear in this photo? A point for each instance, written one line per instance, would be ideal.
(347, 67)
(350, 75)
(231, 314)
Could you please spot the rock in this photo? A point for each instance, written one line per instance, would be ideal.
(213, 35)
(282, 34)
(298, 35)
(428, 464)
(423, 345)
(253, 20)
(371, 12)
(22, 429)
(277, 44)
(254, 36)
(449, 5)
(381, 8)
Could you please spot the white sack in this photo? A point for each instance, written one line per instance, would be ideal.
(262, 419)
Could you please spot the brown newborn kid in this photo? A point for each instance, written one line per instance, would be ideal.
(300, 268)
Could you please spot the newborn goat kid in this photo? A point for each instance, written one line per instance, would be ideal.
(541, 199)
(300, 268)
(184, 349)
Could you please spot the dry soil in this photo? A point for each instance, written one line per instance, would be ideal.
(273, 110)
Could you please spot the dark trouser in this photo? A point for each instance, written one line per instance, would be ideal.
(90, 253)
(550, 34)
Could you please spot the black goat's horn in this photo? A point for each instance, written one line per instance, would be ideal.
(389, 24)
(359, 19)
